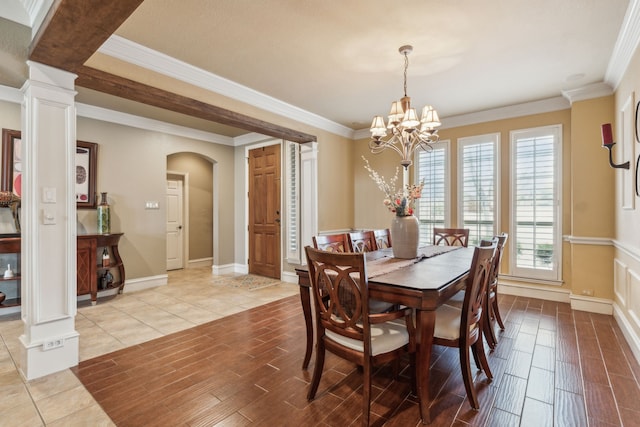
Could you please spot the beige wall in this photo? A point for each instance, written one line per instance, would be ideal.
(586, 190)
(200, 191)
(132, 166)
(335, 183)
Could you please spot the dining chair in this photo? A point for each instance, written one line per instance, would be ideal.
(332, 242)
(362, 241)
(383, 238)
(451, 236)
(350, 331)
(492, 308)
(462, 327)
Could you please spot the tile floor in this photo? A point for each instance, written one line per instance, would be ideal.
(191, 298)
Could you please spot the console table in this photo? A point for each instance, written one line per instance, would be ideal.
(89, 265)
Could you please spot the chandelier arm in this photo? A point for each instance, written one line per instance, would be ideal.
(390, 143)
(407, 134)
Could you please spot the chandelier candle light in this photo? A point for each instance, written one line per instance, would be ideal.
(407, 132)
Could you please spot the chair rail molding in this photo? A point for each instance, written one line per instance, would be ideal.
(582, 240)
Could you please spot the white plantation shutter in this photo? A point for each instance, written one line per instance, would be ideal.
(536, 242)
(477, 194)
(433, 207)
(292, 205)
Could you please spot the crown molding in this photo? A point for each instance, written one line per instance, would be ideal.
(518, 110)
(10, 94)
(13, 95)
(133, 53)
(508, 112)
(595, 90)
(626, 45)
(112, 116)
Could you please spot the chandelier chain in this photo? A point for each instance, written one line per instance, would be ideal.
(406, 66)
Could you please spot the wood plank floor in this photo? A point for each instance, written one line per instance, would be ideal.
(553, 367)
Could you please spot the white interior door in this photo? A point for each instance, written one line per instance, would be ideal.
(175, 230)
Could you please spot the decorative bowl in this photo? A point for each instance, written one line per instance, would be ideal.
(2, 297)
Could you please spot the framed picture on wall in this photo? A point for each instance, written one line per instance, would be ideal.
(11, 174)
(86, 168)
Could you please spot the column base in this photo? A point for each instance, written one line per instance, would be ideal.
(53, 355)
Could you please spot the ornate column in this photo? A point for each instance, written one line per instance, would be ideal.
(49, 342)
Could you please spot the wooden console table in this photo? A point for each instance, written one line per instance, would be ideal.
(89, 266)
(89, 263)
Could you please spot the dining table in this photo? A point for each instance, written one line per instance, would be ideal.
(423, 283)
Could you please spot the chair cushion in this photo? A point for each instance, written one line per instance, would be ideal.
(456, 300)
(385, 337)
(377, 306)
(447, 322)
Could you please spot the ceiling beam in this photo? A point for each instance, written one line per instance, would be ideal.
(74, 29)
(102, 81)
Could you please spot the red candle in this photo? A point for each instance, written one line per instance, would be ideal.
(607, 137)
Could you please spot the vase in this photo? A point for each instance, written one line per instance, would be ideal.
(405, 236)
(104, 215)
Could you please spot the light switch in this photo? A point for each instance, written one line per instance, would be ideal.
(152, 205)
(48, 217)
(48, 195)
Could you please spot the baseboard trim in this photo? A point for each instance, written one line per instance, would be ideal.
(229, 269)
(133, 285)
(592, 304)
(627, 330)
(200, 263)
(578, 302)
(289, 277)
(510, 288)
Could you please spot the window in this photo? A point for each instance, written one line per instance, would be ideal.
(477, 186)
(292, 192)
(535, 182)
(432, 208)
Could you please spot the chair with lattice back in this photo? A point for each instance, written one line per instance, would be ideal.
(451, 236)
(332, 242)
(493, 310)
(362, 241)
(462, 327)
(383, 238)
(350, 330)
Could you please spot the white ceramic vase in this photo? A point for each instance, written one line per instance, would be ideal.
(405, 236)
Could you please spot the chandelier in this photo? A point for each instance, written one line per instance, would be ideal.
(407, 132)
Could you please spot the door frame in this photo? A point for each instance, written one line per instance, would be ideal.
(248, 148)
(184, 177)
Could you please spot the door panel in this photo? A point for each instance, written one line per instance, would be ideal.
(175, 231)
(264, 211)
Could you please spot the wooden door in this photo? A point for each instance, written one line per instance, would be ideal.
(264, 211)
(175, 230)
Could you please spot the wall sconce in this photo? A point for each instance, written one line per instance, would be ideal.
(607, 142)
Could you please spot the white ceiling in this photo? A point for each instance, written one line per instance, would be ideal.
(339, 59)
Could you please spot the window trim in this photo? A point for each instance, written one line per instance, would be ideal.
(553, 276)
